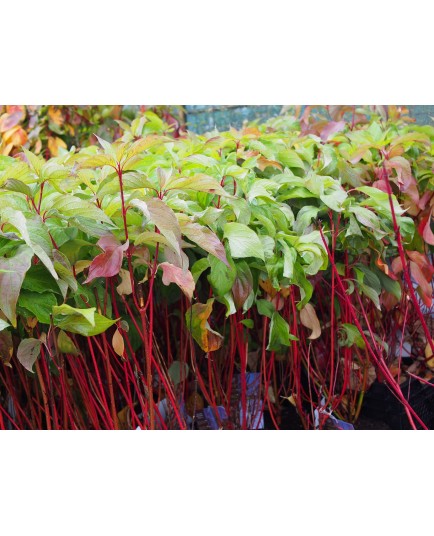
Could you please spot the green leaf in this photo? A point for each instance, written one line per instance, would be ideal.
(72, 249)
(67, 310)
(178, 372)
(80, 325)
(265, 308)
(71, 206)
(142, 145)
(35, 162)
(88, 226)
(369, 277)
(388, 284)
(243, 242)
(304, 218)
(39, 279)
(380, 200)
(199, 183)
(3, 325)
(289, 259)
(290, 159)
(35, 235)
(199, 267)
(12, 273)
(40, 305)
(66, 345)
(366, 217)
(371, 294)
(5, 162)
(248, 322)
(406, 227)
(14, 185)
(64, 269)
(228, 301)
(221, 276)
(201, 159)
(353, 227)
(351, 335)
(306, 287)
(280, 335)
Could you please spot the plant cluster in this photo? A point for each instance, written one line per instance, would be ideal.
(46, 129)
(161, 268)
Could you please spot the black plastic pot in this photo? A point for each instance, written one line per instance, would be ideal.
(381, 404)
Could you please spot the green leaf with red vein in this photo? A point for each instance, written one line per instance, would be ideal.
(206, 239)
(12, 273)
(34, 234)
(199, 183)
(163, 217)
(71, 206)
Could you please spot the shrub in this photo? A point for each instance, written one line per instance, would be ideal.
(158, 268)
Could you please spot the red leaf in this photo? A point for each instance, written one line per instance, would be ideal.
(402, 168)
(424, 264)
(182, 278)
(19, 108)
(397, 265)
(425, 229)
(331, 128)
(425, 288)
(381, 185)
(424, 199)
(109, 263)
(8, 121)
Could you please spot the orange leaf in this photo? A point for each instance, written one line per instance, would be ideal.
(6, 347)
(118, 343)
(38, 146)
(55, 115)
(251, 132)
(384, 267)
(19, 137)
(263, 163)
(5, 150)
(268, 287)
(196, 318)
(54, 143)
(310, 320)
(124, 287)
